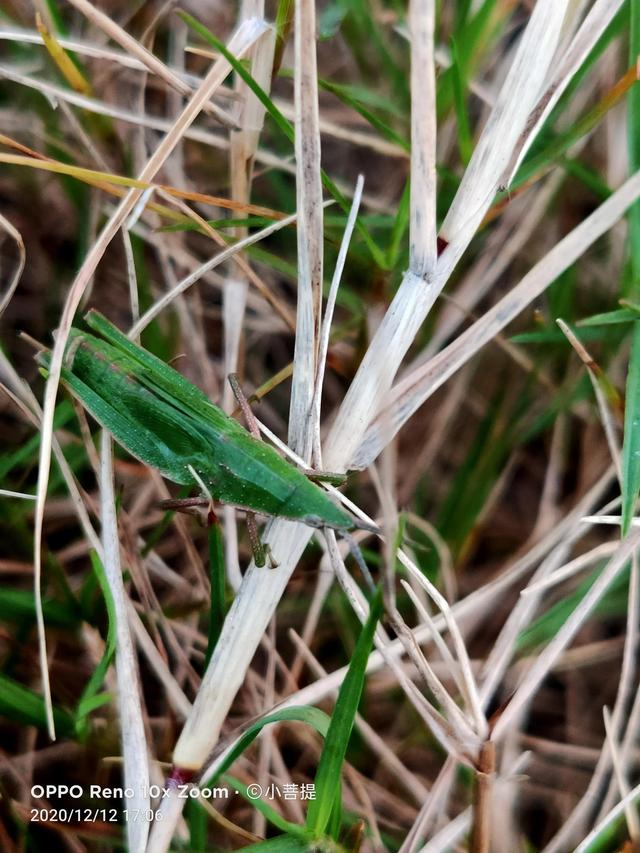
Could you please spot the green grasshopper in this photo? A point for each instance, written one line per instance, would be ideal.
(168, 423)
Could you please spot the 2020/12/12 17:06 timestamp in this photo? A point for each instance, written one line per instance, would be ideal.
(89, 815)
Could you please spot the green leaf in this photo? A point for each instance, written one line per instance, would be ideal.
(91, 703)
(197, 820)
(465, 139)
(344, 93)
(400, 225)
(18, 604)
(25, 707)
(300, 713)
(281, 844)
(329, 771)
(552, 336)
(631, 443)
(330, 20)
(90, 700)
(274, 818)
(620, 315)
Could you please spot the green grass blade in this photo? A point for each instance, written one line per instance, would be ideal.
(19, 604)
(274, 818)
(631, 443)
(329, 771)
(302, 714)
(344, 94)
(555, 147)
(89, 696)
(552, 336)
(465, 139)
(197, 820)
(608, 318)
(281, 844)
(284, 23)
(400, 225)
(25, 707)
(461, 13)
(473, 41)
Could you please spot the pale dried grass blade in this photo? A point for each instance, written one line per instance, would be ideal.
(608, 519)
(571, 568)
(185, 283)
(134, 744)
(90, 49)
(7, 493)
(434, 803)
(243, 146)
(144, 56)
(494, 150)
(596, 21)
(423, 229)
(174, 692)
(412, 391)
(471, 694)
(198, 134)
(244, 626)
(629, 800)
(576, 822)
(545, 660)
(477, 603)
(606, 416)
(633, 825)
(447, 657)
(327, 320)
(454, 733)
(13, 232)
(132, 278)
(514, 231)
(418, 289)
(447, 837)
(498, 660)
(310, 230)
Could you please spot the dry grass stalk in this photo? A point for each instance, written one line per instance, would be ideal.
(22, 257)
(134, 744)
(309, 233)
(412, 391)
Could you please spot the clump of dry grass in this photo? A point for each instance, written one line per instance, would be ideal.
(490, 467)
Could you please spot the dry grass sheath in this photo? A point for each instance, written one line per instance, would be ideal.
(413, 232)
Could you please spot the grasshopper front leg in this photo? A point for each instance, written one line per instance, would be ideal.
(261, 550)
